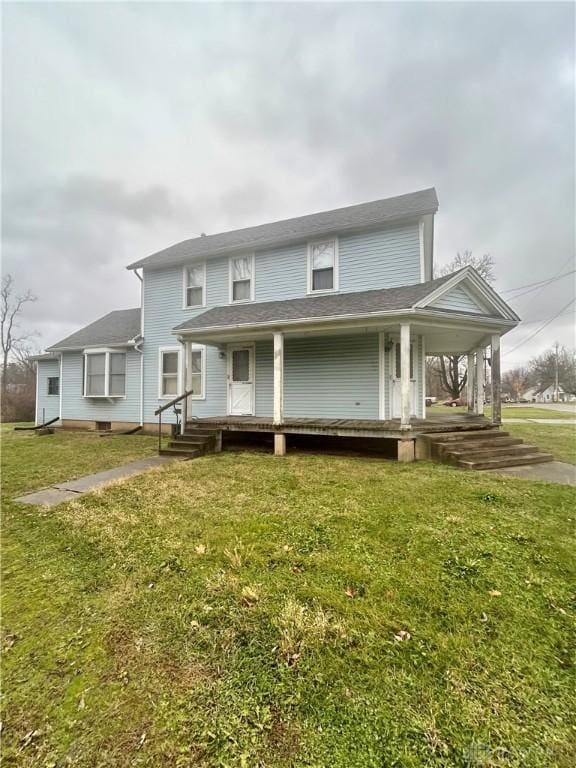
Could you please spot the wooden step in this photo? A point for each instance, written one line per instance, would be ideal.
(505, 461)
(194, 439)
(442, 449)
(197, 432)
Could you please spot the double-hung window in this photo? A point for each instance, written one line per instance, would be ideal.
(53, 385)
(323, 266)
(169, 372)
(194, 285)
(105, 374)
(242, 278)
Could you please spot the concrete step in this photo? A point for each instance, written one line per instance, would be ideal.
(489, 451)
(505, 461)
(472, 434)
(184, 453)
(441, 449)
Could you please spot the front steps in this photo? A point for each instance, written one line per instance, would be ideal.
(483, 449)
(193, 443)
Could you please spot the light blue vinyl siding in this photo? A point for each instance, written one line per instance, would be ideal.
(331, 377)
(384, 258)
(75, 406)
(47, 406)
(281, 273)
(460, 300)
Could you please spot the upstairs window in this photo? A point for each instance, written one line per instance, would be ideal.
(194, 285)
(105, 374)
(169, 372)
(53, 385)
(323, 266)
(242, 278)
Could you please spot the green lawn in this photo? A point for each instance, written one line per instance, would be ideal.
(508, 412)
(244, 610)
(559, 440)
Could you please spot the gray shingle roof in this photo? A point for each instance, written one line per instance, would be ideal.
(118, 327)
(293, 230)
(314, 307)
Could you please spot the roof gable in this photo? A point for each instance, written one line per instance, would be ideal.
(301, 228)
(461, 299)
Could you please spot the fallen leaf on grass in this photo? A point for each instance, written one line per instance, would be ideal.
(402, 635)
(494, 593)
(351, 593)
(141, 741)
(200, 549)
(249, 597)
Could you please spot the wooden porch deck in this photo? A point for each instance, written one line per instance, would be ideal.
(346, 427)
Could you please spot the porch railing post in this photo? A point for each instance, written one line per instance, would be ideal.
(479, 382)
(470, 372)
(495, 379)
(184, 420)
(406, 406)
(278, 378)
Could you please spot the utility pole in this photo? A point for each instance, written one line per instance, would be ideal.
(556, 372)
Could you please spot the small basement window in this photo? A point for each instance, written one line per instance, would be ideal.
(103, 426)
(53, 385)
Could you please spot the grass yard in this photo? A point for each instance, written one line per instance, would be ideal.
(559, 440)
(508, 412)
(243, 610)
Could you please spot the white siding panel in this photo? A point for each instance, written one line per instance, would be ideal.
(48, 406)
(332, 377)
(460, 300)
(384, 258)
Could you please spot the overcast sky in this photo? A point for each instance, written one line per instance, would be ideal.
(128, 127)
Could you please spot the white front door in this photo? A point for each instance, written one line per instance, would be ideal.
(241, 381)
(396, 383)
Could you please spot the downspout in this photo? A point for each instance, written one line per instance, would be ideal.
(61, 385)
(137, 346)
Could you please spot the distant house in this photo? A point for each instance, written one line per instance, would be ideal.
(325, 316)
(547, 395)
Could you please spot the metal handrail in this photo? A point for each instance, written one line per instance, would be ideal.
(158, 412)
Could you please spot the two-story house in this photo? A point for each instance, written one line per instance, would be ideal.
(324, 319)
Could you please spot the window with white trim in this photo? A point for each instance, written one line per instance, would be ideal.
(197, 357)
(242, 278)
(53, 385)
(105, 374)
(322, 266)
(194, 285)
(169, 372)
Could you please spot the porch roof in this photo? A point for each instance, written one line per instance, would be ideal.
(332, 307)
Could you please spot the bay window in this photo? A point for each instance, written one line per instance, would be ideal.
(323, 266)
(104, 374)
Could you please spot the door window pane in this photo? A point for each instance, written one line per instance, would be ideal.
(241, 365)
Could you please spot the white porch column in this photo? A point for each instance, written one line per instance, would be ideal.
(495, 379)
(471, 370)
(186, 385)
(405, 386)
(279, 438)
(479, 399)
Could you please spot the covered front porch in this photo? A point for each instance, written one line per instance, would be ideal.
(277, 380)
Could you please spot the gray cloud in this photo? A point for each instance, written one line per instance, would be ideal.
(130, 126)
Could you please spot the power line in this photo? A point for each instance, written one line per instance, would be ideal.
(534, 286)
(556, 276)
(538, 330)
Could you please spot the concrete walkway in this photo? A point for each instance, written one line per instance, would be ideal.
(548, 472)
(540, 421)
(61, 492)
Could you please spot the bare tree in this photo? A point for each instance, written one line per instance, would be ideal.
(13, 339)
(515, 382)
(555, 365)
(452, 368)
